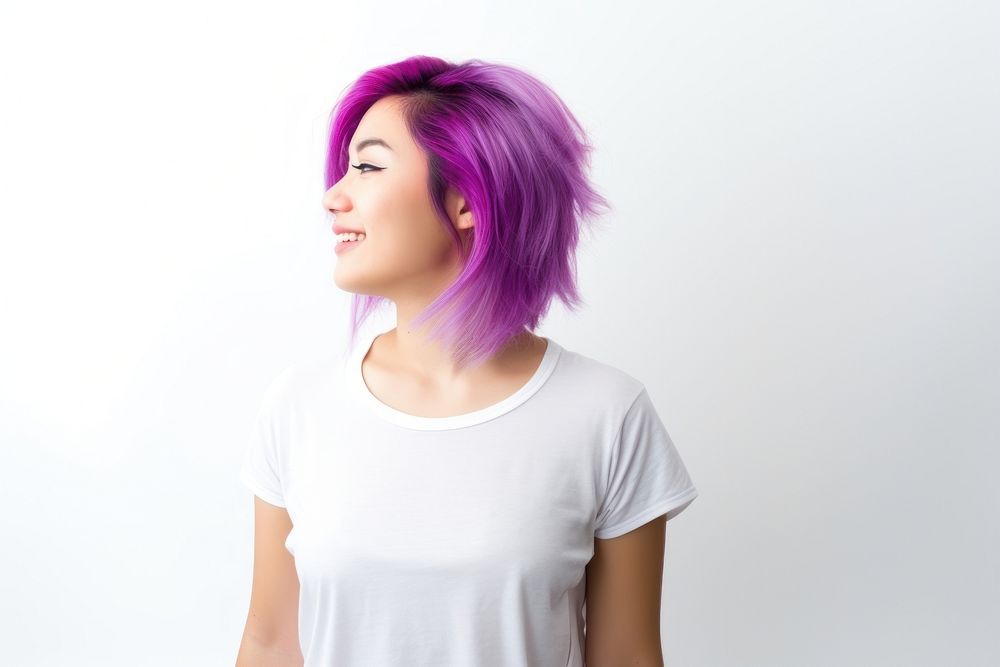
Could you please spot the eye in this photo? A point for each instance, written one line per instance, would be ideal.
(360, 167)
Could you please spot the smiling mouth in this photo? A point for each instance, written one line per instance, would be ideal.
(347, 241)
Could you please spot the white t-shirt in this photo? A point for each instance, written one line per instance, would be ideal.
(457, 540)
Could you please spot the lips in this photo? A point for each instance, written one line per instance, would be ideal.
(337, 229)
(342, 246)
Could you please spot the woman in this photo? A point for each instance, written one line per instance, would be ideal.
(461, 491)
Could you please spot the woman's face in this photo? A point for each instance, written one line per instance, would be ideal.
(406, 253)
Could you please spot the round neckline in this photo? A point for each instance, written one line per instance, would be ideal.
(400, 418)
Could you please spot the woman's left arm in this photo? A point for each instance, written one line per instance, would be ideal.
(624, 584)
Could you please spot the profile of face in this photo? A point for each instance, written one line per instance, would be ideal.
(406, 253)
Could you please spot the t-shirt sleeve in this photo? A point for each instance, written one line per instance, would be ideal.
(261, 468)
(647, 477)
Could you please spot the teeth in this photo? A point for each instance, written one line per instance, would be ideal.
(350, 236)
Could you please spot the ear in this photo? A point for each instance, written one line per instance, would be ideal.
(458, 209)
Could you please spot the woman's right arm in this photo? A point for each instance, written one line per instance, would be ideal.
(271, 635)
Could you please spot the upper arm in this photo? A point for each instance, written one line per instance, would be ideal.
(624, 584)
(272, 619)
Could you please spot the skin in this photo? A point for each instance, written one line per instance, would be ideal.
(271, 634)
(408, 258)
(624, 585)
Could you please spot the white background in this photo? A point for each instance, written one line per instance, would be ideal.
(801, 266)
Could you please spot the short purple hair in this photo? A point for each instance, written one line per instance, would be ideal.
(512, 148)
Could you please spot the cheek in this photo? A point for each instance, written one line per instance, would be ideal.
(416, 244)
(409, 223)
(391, 203)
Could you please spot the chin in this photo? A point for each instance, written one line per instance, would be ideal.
(347, 284)
(344, 283)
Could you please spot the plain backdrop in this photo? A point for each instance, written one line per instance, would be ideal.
(801, 266)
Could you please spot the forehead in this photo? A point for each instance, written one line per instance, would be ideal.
(384, 120)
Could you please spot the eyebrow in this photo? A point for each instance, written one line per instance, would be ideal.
(374, 141)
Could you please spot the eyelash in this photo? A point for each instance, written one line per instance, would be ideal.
(365, 164)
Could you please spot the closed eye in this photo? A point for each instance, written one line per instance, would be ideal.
(360, 167)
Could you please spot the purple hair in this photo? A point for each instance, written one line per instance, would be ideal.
(512, 148)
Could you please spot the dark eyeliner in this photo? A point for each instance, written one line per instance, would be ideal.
(365, 164)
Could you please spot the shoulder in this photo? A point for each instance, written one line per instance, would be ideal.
(298, 380)
(594, 380)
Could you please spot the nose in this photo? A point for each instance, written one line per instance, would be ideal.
(334, 200)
